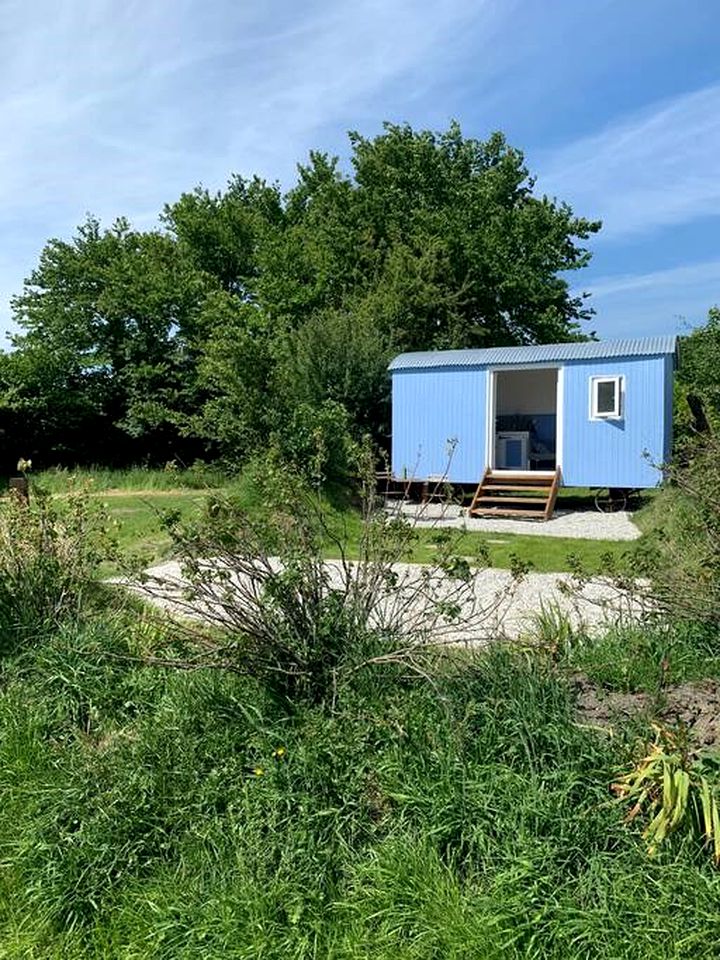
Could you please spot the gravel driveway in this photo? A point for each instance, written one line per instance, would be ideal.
(493, 605)
(577, 524)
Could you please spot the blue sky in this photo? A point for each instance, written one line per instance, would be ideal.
(115, 108)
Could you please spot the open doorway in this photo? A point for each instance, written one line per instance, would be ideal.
(525, 428)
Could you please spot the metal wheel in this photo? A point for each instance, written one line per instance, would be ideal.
(611, 499)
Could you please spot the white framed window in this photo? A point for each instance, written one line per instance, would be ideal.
(606, 398)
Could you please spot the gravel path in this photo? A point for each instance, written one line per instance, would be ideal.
(578, 524)
(493, 606)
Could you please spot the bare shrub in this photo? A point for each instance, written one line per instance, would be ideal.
(305, 624)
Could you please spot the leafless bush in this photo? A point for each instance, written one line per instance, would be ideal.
(304, 624)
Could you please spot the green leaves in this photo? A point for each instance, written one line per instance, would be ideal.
(110, 321)
(249, 303)
(698, 388)
(50, 551)
(669, 786)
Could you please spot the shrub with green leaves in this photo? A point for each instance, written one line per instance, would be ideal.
(50, 551)
(681, 556)
(317, 442)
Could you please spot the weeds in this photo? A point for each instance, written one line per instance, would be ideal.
(646, 658)
(172, 476)
(681, 556)
(553, 630)
(466, 819)
(445, 806)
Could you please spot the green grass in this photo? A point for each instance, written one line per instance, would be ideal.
(459, 812)
(468, 818)
(102, 479)
(543, 554)
(140, 533)
(136, 497)
(645, 658)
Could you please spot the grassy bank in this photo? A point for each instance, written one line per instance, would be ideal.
(159, 814)
(339, 802)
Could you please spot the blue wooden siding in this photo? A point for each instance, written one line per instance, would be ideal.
(431, 407)
(624, 452)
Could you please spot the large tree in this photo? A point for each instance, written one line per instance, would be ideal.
(110, 323)
(249, 304)
(440, 236)
(428, 241)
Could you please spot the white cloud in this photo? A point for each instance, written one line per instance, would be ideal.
(116, 99)
(651, 170)
(660, 301)
(116, 108)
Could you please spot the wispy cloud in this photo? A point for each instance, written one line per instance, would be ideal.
(651, 170)
(660, 301)
(116, 108)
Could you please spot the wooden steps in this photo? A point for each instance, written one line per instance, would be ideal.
(505, 494)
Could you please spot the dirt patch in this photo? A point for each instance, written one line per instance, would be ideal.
(696, 705)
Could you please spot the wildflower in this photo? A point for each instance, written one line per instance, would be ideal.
(24, 465)
(279, 752)
(258, 771)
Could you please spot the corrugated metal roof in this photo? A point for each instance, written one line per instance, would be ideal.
(538, 353)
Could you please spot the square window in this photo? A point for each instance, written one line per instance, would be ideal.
(606, 398)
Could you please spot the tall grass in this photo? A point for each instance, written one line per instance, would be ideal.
(647, 657)
(463, 813)
(49, 555)
(199, 476)
(176, 815)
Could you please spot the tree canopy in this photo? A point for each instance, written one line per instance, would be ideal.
(698, 383)
(210, 332)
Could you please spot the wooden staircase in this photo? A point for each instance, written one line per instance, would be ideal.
(508, 494)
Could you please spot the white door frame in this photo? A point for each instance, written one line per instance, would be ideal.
(491, 404)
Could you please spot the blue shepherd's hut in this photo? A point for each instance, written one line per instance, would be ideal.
(520, 421)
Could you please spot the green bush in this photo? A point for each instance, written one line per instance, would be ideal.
(50, 551)
(698, 378)
(304, 626)
(681, 554)
(279, 614)
(317, 442)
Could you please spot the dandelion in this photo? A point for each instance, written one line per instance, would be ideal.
(279, 752)
(258, 771)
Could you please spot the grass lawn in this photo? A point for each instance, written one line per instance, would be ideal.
(136, 498)
(543, 554)
(140, 532)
